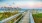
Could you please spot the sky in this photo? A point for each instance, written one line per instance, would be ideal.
(21, 3)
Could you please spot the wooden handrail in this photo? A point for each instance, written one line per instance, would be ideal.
(10, 18)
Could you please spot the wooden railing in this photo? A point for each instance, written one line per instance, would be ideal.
(12, 17)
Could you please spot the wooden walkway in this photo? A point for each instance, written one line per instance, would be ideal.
(25, 19)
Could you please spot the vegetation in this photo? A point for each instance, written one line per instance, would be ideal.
(37, 17)
(12, 21)
(7, 14)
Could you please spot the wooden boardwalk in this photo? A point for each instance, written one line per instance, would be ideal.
(25, 19)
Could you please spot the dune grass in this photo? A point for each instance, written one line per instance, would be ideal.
(13, 20)
(6, 15)
(37, 17)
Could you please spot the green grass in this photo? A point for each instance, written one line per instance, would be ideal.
(37, 17)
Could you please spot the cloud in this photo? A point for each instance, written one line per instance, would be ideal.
(23, 4)
(29, 4)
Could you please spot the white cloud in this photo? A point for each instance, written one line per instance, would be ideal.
(23, 4)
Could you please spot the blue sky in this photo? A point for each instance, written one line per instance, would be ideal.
(19, 2)
(11, 1)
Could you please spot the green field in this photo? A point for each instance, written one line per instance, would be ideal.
(37, 17)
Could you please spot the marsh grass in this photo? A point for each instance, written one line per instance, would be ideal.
(6, 15)
(37, 17)
(13, 20)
